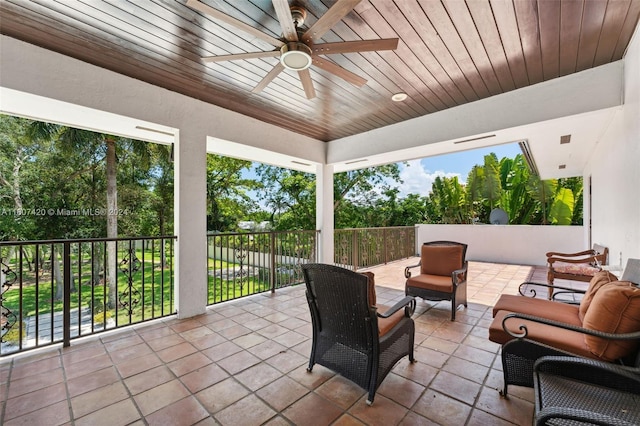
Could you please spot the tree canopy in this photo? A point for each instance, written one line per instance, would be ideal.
(55, 180)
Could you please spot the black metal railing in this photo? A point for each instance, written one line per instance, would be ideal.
(58, 290)
(365, 247)
(246, 263)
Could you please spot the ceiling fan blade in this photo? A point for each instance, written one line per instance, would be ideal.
(236, 56)
(338, 11)
(268, 78)
(339, 71)
(307, 83)
(286, 20)
(194, 4)
(355, 46)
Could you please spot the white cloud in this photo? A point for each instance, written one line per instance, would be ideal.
(418, 180)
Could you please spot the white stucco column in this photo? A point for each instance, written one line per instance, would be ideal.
(190, 189)
(324, 211)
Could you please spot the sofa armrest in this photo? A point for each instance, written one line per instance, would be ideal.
(532, 291)
(589, 252)
(590, 260)
(524, 332)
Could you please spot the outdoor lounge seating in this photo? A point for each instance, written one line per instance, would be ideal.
(586, 392)
(443, 274)
(605, 326)
(580, 266)
(350, 336)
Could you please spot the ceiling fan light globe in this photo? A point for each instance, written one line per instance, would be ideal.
(295, 56)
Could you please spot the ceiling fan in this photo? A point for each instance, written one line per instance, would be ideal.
(297, 49)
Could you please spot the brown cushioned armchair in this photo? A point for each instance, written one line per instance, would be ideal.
(443, 274)
(580, 266)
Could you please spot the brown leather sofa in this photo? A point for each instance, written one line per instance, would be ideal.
(604, 326)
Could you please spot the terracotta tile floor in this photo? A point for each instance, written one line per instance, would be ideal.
(244, 363)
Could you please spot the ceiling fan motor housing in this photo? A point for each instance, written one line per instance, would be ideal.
(298, 14)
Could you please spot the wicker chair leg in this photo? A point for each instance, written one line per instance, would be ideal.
(372, 395)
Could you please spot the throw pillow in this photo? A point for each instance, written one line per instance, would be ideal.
(615, 308)
(599, 279)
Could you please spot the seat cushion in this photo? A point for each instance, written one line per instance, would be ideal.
(432, 282)
(441, 260)
(599, 279)
(615, 308)
(574, 268)
(386, 324)
(557, 311)
(567, 340)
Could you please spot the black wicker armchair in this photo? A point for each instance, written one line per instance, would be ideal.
(579, 391)
(520, 354)
(349, 336)
(443, 274)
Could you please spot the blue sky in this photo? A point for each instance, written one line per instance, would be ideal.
(418, 175)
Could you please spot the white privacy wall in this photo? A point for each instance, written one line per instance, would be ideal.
(615, 171)
(513, 244)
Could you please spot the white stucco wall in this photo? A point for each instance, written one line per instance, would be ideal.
(614, 168)
(511, 244)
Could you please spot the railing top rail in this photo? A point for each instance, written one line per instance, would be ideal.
(374, 227)
(85, 240)
(231, 234)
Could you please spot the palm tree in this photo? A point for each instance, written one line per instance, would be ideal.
(98, 147)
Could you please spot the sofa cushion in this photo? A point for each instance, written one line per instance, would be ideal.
(441, 260)
(599, 279)
(574, 268)
(615, 308)
(557, 311)
(567, 340)
(432, 282)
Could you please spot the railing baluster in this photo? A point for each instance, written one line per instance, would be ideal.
(66, 296)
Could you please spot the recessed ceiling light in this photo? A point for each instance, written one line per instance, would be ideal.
(399, 97)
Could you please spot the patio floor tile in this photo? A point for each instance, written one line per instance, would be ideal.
(245, 363)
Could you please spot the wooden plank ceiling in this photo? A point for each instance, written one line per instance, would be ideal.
(450, 52)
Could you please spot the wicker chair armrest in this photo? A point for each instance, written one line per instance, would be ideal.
(408, 302)
(407, 272)
(524, 331)
(610, 375)
(566, 302)
(585, 416)
(532, 292)
(590, 252)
